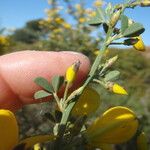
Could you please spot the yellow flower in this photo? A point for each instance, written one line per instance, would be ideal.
(142, 143)
(72, 71)
(37, 146)
(4, 41)
(59, 20)
(8, 130)
(117, 125)
(88, 103)
(82, 20)
(9, 134)
(140, 44)
(116, 88)
(67, 26)
(98, 3)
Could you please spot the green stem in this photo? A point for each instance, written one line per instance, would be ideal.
(57, 101)
(74, 96)
(66, 91)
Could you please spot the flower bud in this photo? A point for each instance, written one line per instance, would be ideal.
(111, 61)
(142, 142)
(72, 71)
(139, 45)
(116, 88)
(115, 18)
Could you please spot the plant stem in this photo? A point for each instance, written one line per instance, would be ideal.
(75, 95)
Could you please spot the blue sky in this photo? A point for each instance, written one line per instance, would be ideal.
(14, 13)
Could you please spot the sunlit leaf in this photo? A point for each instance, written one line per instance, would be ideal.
(124, 23)
(99, 17)
(134, 30)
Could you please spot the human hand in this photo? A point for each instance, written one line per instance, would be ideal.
(19, 69)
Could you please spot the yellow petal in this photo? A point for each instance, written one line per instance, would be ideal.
(116, 125)
(142, 142)
(37, 147)
(29, 142)
(140, 44)
(8, 130)
(88, 103)
(72, 71)
(119, 89)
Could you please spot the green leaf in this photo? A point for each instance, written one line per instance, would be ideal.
(57, 82)
(99, 18)
(109, 10)
(112, 75)
(42, 82)
(41, 94)
(134, 30)
(124, 23)
(105, 27)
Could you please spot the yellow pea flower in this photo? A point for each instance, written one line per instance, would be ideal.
(117, 125)
(72, 71)
(88, 103)
(59, 20)
(8, 130)
(116, 88)
(9, 134)
(140, 44)
(142, 143)
(119, 89)
(67, 26)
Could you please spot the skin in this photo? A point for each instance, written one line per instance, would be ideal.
(19, 69)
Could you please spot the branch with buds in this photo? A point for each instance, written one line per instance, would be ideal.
(72, 130)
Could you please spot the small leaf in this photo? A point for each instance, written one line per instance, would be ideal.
(134, 30)
(105, 27)
(112, 75)
(41, 94)
(109, 10)
(124, 23)
(57, 82)
(99, 18)
(42, 82)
